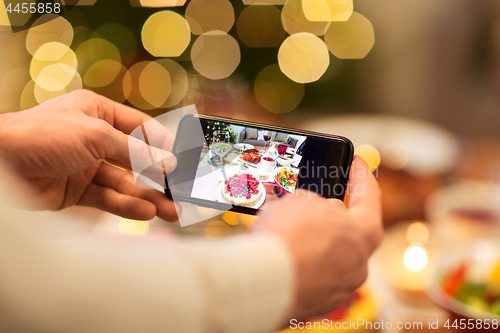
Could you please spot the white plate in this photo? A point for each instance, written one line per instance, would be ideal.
(482, 255)
(220, 196)
(244, 146)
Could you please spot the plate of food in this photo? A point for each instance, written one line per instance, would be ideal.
(467, 281)
(232, 159)
(285, 160)
(251, 156)
(243, 146)
(220, 148)
(287, 179)
(242, 189)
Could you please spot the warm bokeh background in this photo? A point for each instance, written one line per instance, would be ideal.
(415, 81)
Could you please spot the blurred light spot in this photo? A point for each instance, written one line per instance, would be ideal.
(294, 20)
(28, 99)
(50, 54)
(327, 10)
(247, 220)
(19, 55)
(415, 257)
(370, 154)
(260, 26)
(264, 2)
(55, 77)
(395, 155)
(94, 50)
(113, 90)
(161, 3)
(179, 79)
(230, 218)
(12, 84)
(165, 34)
(275, 92)
(131, 86)
(42, 95)
(208, 15)
(217, 229)
(417, 232)
(155, 84)
(352, 39)
(102, 73)
(303, 57)
(215, 55)
(49, 28)
(121, 37)
(134, 227)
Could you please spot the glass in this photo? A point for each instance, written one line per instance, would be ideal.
(263, 170)
(282, 149)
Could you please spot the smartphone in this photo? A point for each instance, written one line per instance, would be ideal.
(223, 162)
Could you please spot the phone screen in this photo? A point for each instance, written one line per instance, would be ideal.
(248, 165)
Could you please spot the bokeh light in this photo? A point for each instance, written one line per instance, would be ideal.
(154, 84)
(102, 73)
(131, 88)
(215, 55)
(55, 77)
(276, 92)
(415, 257)
(417, 232)
(42, 95)
(327, 10)
(264, 2)
(49, 28)
(294, 20)
(352, 39)
(230, 218)
(260, 26)
(48, 55)
(161, 3)
(303, 57)
(113, 90)
(370, 154)
(134, 227)
(165, 34)
(28, 99)
(93, 51)
(179, 79)
(208, 15)
(11, 88)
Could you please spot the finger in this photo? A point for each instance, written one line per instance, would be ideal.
(364, 192)
(110, 143)
(107, 199)
(123, 182)
(337, 203)
(129, 120)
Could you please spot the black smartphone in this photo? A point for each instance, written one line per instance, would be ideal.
(238, 165)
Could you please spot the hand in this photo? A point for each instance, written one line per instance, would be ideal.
(329, 242)
(60, 146)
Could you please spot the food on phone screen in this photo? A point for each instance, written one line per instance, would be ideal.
(242, 189)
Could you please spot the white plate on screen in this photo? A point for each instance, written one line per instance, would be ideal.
(220, 196)
(244, 146)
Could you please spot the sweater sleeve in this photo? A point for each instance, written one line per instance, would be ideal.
(92, 284)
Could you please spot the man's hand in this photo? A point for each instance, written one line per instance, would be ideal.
(59, 148)
(329, 242)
